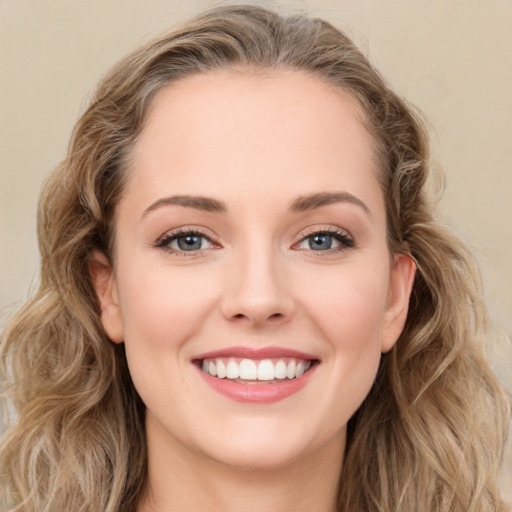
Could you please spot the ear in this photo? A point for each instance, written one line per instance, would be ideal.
(105, 285)
(400, 288)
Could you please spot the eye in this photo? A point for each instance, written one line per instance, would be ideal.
(326, 240)
(185, 241)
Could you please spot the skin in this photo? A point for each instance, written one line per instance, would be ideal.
(255, 142)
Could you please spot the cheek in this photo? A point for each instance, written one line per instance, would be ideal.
(162, 313)
(346, 308)
(162, 308)
(349, 306)
(349, 310)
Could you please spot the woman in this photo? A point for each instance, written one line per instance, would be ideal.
(245, 299)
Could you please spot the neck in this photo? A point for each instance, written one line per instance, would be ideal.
(180, 480)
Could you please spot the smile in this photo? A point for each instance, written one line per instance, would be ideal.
(253, 371)
(258, 376)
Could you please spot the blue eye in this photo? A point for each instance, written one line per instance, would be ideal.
(189, 242)
(185, 241)
(322, 241)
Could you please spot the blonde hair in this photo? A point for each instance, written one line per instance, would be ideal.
(430, 434)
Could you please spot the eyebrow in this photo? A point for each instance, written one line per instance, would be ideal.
(300, 204)
(197, 202)
(310, 202)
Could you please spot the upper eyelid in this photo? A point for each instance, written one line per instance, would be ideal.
(329, 229)
(345, 238)
(181, 231)
(299, 237)
(164, 243)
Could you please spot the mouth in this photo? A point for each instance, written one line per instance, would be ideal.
(256, 371)
(261, 375)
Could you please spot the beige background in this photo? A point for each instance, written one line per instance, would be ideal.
(453, 59)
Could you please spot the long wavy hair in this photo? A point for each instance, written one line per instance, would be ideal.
(430, 434)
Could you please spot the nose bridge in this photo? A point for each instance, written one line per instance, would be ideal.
(256, 290)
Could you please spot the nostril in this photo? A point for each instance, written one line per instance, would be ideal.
(275, 317)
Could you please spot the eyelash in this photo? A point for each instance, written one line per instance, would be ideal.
(345, 240)
(168, 238)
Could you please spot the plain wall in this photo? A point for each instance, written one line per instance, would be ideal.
(453, 59)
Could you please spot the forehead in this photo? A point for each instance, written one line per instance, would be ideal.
(228, 130)
(225, 96)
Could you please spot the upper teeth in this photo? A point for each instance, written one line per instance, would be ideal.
(249, 369)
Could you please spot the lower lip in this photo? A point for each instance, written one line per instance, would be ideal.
(260, 393)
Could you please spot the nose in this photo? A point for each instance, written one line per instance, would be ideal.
(257, 292)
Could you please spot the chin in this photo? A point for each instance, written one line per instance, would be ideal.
(257, 459)
(266, 447)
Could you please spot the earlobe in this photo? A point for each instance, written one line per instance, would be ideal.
(400, 288)
(105, 286)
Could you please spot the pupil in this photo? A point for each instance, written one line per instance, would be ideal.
(189, 242)
(323, 242)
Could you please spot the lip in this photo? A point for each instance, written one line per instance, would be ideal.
(262, 392)
(256, 353)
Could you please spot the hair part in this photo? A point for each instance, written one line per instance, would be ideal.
(430, 433)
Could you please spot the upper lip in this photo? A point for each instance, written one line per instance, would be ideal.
(256, 353)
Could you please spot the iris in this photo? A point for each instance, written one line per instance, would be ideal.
(320, 242)
(190, 242)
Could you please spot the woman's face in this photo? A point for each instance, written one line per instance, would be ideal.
(251, 247)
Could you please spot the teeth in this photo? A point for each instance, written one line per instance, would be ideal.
(233, 370)
(248, 369)
(280, 370)
(266, 370)
(290, 371)
(221, 369)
